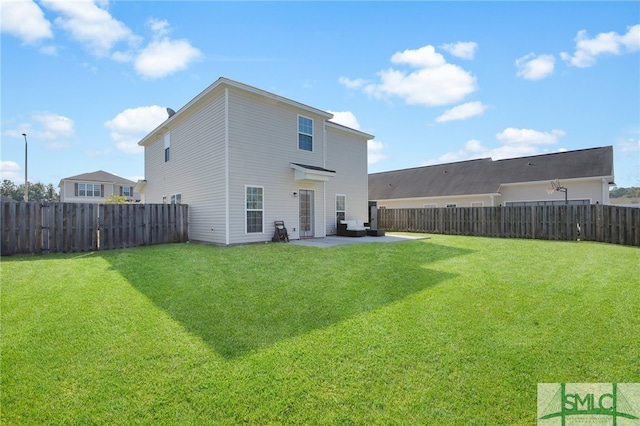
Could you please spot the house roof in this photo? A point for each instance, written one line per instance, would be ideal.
(485, 176)
(100, 176)
(222, 82)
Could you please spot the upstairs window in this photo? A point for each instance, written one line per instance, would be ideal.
(167, 146)
(305, 133)
(89, 190)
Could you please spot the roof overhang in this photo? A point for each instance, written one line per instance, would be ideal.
(140, 186)
(303, 172)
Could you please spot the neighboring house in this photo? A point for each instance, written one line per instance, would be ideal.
(586, 175)
(95, 187)
(243, 158)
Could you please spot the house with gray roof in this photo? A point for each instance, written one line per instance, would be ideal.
(243, 158)
(96, 187)
(575, 177)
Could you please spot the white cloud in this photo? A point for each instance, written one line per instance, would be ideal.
(352, 84)
(461, 49)
(49, 126)
(462, 112)
(346, 118)
(53, 126)
(588, 49)
(514, 143)
(375, 152)
(91, 25)
(424, 57)
(630, 145)
(535, 67)
(159, 27)
(12, 171)
(131, 125)
(164, 57)
(25, 20)
(435, 82)
(472, 149)
(513, 136)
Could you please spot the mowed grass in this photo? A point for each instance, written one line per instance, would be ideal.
(449, 330)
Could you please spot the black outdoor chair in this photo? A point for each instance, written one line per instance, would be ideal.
(281, 234)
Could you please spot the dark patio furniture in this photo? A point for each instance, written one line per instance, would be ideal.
(280, 234)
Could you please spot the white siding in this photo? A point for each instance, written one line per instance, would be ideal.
(594, 190)
(232, 138)
(584, 189)
(263, 142)
(67, 192)
(347, 155)
(195, 169)
(460, 201)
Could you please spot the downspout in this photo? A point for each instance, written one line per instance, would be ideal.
(605, 191)
(226, 165)
(324, 184)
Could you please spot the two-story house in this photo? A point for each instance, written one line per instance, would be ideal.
(243, 158)
(95, 187)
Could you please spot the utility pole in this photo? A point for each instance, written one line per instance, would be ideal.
(26, 182)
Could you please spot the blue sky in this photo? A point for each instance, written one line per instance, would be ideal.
(434, 82)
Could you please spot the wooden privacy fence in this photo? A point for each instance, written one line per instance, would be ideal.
(603, 223)
(41, 227)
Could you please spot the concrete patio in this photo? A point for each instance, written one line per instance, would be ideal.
(333, 241)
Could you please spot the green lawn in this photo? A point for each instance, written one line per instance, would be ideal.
(450, 330)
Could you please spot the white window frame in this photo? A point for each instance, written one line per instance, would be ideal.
(477, 204)
(176, 198)
(247, 209)
(301, 132)
(344, 210)
(430, 206)
(84, 187)
(167, 147)
(451, 205)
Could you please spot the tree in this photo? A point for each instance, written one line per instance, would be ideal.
(633, 192)
(116, 199)
(37, 191)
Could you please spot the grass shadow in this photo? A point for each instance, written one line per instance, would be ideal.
(239, 299)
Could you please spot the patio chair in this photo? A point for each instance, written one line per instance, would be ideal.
(281, 234)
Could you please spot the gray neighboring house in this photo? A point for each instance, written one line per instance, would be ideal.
(243, 158)
(96, 187)
(586, 174)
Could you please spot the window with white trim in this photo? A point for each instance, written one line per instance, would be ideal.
(305, 133)
(341, 207)
(176, 198)
(89, 190)
(477, 204)
(254, 196)
(452, 205)
(430, 206)
(167, 146)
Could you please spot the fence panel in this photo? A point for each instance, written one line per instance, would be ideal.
(43, 227)
(602, 223)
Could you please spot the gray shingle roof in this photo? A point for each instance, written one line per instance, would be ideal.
(101, 176)
(484, 176)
